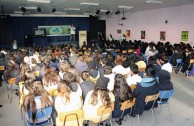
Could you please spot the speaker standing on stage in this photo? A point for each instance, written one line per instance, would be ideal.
(72, 31)
(15, 45)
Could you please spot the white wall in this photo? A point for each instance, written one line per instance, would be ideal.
(180, 18)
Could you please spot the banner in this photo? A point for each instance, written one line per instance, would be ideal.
(128, 33)
(63, 30)
(162, 36)
(185, 36)
(142, 34)
(119, 31)
(82, 37)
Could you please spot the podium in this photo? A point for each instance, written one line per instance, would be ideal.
(82, 37)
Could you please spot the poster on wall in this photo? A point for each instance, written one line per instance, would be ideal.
(184, 35)
(142, 34)
(162, 36)
(119, 31)
(128, 33)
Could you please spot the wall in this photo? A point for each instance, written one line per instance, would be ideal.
(24, 25)
(180, 18)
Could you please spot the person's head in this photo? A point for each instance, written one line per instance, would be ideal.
(75, 73)
(64, 66)
(85, 75)
(69, 77)
(46, 61)
(134, 69)
(152, 60)
(101, 89)
(92, 65)
(121, 88)
(107, 70)
(29, 76)
(164, 59)
(119, 59)
(164, 77)
(50, 77)
(150, 72)
(64, 91)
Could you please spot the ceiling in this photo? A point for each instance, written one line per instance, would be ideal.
(138, 5)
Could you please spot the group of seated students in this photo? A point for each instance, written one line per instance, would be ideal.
(90, 79)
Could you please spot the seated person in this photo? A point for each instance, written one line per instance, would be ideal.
(122, 93)
(164, 81)
(148, 86)
(37, 99)
(153, 62)
(135, 78)
(66, 101)
(87, 85)
(166, 65)
(108, 73)
(96, 98)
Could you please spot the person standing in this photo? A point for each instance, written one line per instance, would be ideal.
(15, 45)
(72, 32)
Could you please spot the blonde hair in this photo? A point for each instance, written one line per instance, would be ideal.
(64, 91)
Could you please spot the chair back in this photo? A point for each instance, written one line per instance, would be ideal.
(166, 94)
(102, 110)
(191, 61)
(133, 86)
(53, 92)
(2, 68)
(36, 73)
(151, 98)
(76, 115)
(11, 80)
(127, 104)
(178, 61)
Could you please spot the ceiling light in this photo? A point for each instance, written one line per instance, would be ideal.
(39, 1)
(88, 13)
(94, 4)
(125, 7)
(18, 12)
(97, 11)
(74, 9)
(38, 9)
(154, 1)
(29, 8)
(54, 10)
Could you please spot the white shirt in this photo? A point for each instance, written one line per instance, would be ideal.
(119, 69)
(167, 67)
(111, 82)
(134, 79)
(14, 45)
(74, 103)
(72, 30)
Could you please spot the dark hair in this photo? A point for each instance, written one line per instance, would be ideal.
(69, 77)
(107, 70)
(134, 68)
(121, 89)
(152, 60)
(150, 71)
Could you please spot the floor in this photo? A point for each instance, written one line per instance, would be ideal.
(181, 108)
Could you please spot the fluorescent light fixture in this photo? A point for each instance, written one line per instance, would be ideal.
(58, 12)
(39, 1)
(125, 7)
(88, 13)
(74, 9)
(29, 8)
(94, 4)
(105, 10)
(154, 1)
(18, 12)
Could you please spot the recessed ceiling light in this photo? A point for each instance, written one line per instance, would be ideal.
(154, 1)
(85, 3)
(125, 7)
(39, 1)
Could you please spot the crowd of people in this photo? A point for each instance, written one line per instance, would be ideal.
(87, 79)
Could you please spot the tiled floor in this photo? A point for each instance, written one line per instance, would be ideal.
(181, 108)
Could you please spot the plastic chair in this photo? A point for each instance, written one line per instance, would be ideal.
(2, 68)
(73, 116)
(187, 71)
(133, 86)
(103, 110)
(148, 99)
(11, 82)
(40, 115)
(165, 95)
(126, 105)
(178, 65)
(53, 92)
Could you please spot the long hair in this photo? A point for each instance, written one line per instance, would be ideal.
(36, 89)
(24, 67)
(119, 59)
(104, 97)
(64, 91)
(50, 77)
(121, 89)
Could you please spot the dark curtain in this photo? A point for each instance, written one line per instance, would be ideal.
(24, 25)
